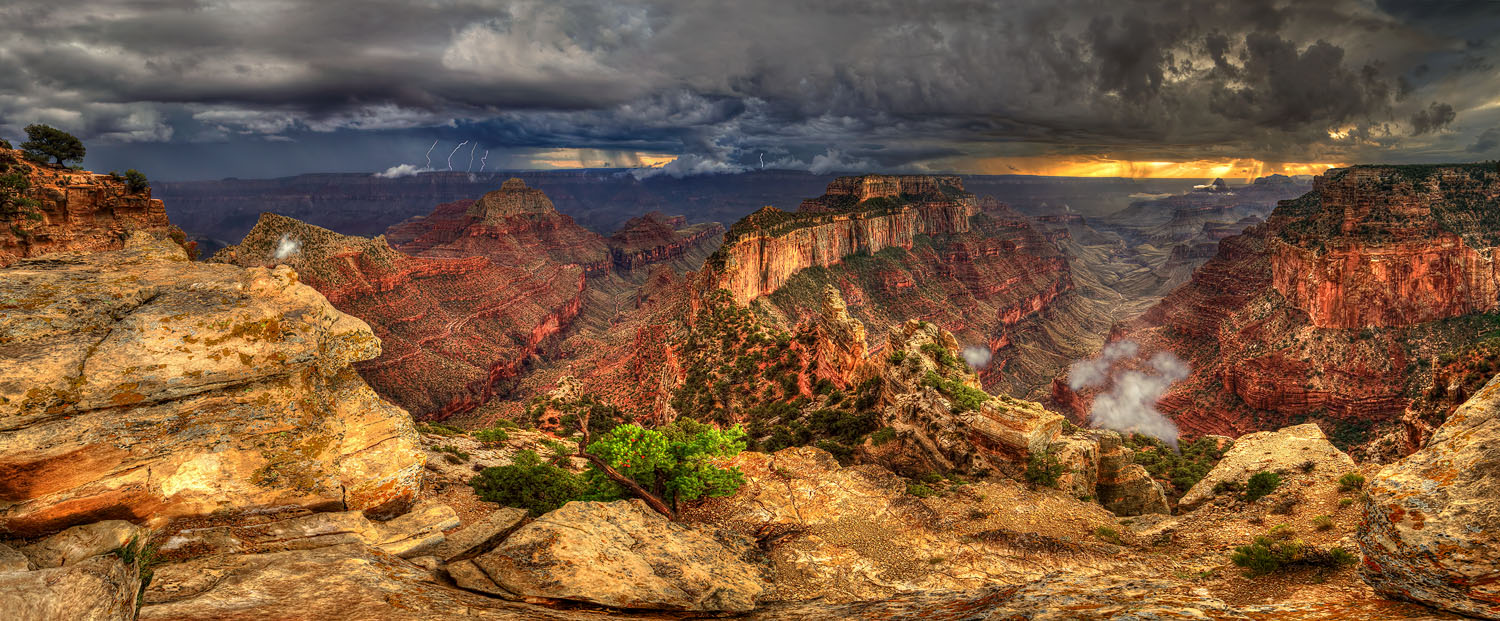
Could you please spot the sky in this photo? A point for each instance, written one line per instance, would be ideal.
(204, 89)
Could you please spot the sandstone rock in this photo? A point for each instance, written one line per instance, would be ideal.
(1431, 529)
(481, 536)
(963, 429)
(99, 588)
(839, 342)
(1125, 487)
(592, 552)
(139, 385)
(413, 534)
(81, 542)
(1080, 457)
(348, 581)
(847, 534)
(1284, 451)
(13, 560)
(77, 211)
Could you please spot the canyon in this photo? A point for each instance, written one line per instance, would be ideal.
(1336, 310)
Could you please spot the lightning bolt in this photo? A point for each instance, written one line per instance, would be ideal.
(762, 160)
(482, 159)
(455, 150)
(429, 154)
(471, 158)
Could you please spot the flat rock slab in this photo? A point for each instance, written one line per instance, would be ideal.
(624, 555)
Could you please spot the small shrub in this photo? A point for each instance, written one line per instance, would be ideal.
(1346, 502)
(978, 514)
(529, 484)
(439, 429)
(493, 435)
(897, 357)
(1285, 505)
(1223, 487)
(1260, 484)
(135, 181)
(1109, 535)
(1351, 481)
(882, 436)
(1273, 553)
(920, 490)
(1307, 466)
(453, 453)
(1043, 469)
(1323, 522)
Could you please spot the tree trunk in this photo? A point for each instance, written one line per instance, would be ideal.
(651, 500)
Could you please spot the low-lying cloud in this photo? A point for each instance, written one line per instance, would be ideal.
(1129, 403)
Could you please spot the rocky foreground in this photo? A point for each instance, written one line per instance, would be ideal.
(189, 441)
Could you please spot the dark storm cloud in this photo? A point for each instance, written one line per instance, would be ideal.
(828, 83)
(1487, 142)
(1434, 118)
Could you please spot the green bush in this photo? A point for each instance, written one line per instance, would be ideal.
(1043, 469)
(1351, 481)
(676, 463)
(920, 490)
(964, 398)
(1279, 551)
(1110, 535)
(897, 357)
(1323, 522)
(1260, 484)
(135, 181)
(528, 483)
(439, 429)
(882, 436)
(493, 435)
(1346, 502)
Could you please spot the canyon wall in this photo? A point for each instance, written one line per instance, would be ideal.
(452, 328)
(70, 210)
(767, 248)
(1334, 309)
(1384, 248)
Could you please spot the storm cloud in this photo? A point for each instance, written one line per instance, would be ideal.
(823, 84)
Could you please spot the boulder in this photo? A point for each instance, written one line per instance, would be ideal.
(98, 588)
(482, 535)
(1124, 486)
(416, 533)
(1080, 456)
(12, 560)
(624, 555)
(81, 542)
(346, 581)
(1284, 451)
(1431, 528)
(137, 384)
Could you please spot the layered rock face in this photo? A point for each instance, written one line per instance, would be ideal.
(71, 211)
(1333, 309)
(514, 226)
(1386, 247)
(1431, 530)
(451, 328)
(655, 238)
(138, 385)
(858, 215)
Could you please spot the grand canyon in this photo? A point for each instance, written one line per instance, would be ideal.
(660, 310)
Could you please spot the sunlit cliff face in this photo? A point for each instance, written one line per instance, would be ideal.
(1107, 167)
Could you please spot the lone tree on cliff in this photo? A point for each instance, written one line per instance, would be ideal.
(46, 142)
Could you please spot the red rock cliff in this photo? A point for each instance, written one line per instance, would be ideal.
(514, 226)
(1381, 248)
(451, 329)
(857, 215)
(67, 210)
